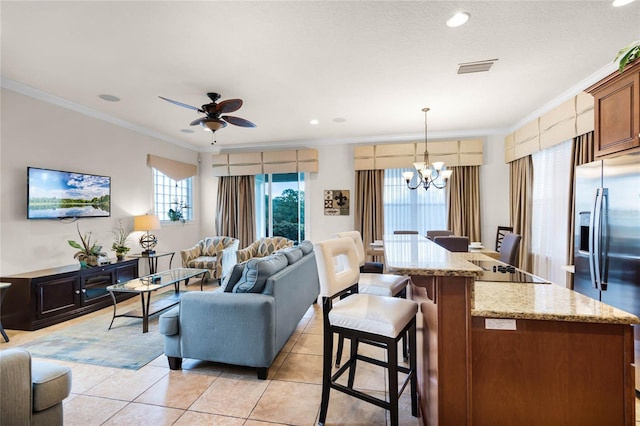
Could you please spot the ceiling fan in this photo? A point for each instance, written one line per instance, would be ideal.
(214, 120)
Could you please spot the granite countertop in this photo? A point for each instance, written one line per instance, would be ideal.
(542, 302)
(417, 255)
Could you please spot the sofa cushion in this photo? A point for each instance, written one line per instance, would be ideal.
(256, 272)
(293, 254)
(306, 246)
(51, 384)
(236, 275)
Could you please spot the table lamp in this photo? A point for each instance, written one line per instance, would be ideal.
(147, 222)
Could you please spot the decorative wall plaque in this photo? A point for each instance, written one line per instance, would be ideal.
(336, 202)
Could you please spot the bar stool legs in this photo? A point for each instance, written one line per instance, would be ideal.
(329, 381)
(364, 319)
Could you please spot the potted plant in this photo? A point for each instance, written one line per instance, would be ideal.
(628, 54)
(88, 252)
(177, 214)
(119, 245)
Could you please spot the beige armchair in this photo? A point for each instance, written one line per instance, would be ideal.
(207, 254)
(31, 391)
(260, 248)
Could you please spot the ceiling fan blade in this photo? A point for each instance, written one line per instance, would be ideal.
(238, 121)
(181, 104)
(229, 105)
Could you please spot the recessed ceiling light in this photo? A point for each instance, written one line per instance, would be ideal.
(109, 98)
(314, 121)
(618, 3)
(458, 19)
(339, 120)
(186, 130)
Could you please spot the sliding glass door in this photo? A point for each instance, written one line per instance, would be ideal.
(280, 205)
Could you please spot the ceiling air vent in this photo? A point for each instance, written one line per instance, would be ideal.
(479, 66)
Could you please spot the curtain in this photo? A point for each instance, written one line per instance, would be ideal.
(582, 152)
(551, 169)
(369, 210)
(464, 202)
(520, 191)
(236, 215)
(412, 210)
(176, 170)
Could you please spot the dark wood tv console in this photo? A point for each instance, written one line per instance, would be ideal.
(42, 298)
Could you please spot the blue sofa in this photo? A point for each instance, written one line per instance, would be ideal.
(248, 321)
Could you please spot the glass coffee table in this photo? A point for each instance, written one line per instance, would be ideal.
(148, 284)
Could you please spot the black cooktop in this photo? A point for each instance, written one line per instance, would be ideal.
(497, 271)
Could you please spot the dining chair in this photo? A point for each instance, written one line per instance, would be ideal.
(502, 231)
(438, 233)
(363, 318)
(510, 248)
(453, 243)
(373, 283)
(401, 232)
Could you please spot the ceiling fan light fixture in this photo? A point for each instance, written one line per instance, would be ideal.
(212, 125)
(458, 19)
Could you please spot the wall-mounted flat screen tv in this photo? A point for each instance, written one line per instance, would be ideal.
(56, 194)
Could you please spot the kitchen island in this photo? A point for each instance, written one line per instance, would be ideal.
(512, 353)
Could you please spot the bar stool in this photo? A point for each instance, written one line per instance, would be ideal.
(4, 287)
(374, 283)
(363, 318)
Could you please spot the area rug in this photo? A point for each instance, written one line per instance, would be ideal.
(90, 342)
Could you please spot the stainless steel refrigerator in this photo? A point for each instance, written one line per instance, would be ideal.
(607, 235)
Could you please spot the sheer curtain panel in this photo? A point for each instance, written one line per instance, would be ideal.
(551, 169)
(417, 209)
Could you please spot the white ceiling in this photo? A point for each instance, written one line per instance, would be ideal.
(375, 64)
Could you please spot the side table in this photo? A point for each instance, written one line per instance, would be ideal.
(4, 287)
(153, 259)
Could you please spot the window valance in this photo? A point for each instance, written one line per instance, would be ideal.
(568, 120)
(263, 162)
(176, 170)
(467, 152)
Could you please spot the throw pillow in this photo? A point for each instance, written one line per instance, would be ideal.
(306, 246)
(257, 271)
(235, 276)
(293, 254)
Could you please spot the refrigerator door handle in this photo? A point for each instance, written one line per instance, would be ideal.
(603, 252)
(594, 272)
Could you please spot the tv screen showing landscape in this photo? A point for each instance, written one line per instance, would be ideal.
(55, 194)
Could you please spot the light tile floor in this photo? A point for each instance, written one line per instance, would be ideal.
(205, 393)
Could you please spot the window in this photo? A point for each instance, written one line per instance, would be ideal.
(549, 219)
(280, 206)
(416, 210)
(173, 199)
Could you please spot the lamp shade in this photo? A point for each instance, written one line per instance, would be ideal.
(146, 222)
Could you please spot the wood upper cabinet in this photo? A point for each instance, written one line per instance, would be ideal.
(617, 111)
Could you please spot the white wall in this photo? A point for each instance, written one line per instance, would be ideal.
(494, 189)
(335, 165)
(35, 133)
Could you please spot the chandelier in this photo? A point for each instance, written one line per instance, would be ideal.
(428, 175)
